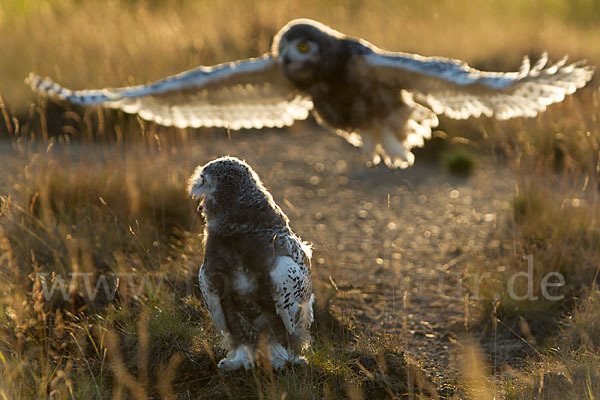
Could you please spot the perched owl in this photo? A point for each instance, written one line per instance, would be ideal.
(255, 278)
(381, 101)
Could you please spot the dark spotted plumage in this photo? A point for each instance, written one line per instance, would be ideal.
(251, 259)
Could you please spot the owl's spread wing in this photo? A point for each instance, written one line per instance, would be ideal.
(251, 93)
(293, 293)
(453, 88)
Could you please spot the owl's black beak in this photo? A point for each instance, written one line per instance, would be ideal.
(286, 60)
(201, 205)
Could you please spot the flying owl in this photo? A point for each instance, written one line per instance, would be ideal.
(255, 278)
(381, 101)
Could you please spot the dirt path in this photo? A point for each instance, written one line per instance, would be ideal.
(394, 243)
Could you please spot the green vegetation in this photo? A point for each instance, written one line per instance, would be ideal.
(459, 161)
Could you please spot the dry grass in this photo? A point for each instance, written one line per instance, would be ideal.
(554, 218)
(95, 217)
(102, 43)
(152, 337)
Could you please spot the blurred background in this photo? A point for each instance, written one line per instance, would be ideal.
(104, 43)
(399, 312)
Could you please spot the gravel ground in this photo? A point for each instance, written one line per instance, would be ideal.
(391, 245)
(394, 243)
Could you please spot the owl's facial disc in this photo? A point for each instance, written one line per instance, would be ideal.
(200, 187)
(298, 58)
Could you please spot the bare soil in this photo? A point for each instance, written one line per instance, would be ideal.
(391, 247)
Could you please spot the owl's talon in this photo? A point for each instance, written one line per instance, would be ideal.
(228, 365)
(299, 361)
(240, 357)
(233, 365)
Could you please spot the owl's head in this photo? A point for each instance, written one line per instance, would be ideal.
(223, 182)
(304, 49)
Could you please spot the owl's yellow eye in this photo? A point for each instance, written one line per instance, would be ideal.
(303, 47)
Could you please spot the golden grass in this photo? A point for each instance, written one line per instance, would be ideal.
(73, 217)
(554, 218)
(108, 43)
(120, 227)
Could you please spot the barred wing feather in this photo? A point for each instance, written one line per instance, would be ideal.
(251, 93)
(453, 88)
(293, 295)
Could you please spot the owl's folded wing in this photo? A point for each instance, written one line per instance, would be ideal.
(251, 93)
(453, 88)
(293, 294)
(212, 301)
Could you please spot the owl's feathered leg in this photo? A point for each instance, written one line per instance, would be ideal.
(242, 356)
(240, 341)
(370, 150)
(396, 155)
(403, 130)
(231, 313)
(279, 356)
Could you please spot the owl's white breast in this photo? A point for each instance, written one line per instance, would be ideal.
(243, 282)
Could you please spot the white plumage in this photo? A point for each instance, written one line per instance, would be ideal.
(245, 94)
(453, 88)
(293, 301)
